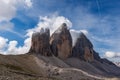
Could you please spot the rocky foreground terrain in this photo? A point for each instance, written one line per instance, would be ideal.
(55, 58)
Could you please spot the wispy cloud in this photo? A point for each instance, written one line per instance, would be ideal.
(16, 33)
(9, 27)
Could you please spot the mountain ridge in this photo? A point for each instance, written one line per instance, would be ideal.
(55, 58)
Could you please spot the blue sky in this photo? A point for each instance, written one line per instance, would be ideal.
(100, 18)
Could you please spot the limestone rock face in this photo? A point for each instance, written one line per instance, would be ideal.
(40, 43)
(61, 42)
(83, 49)
(88, 54)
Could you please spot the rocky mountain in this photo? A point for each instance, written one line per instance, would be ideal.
(61, 42)
(40, 43)
(55, 58)
(83, 49)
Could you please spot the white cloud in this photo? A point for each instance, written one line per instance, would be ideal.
(3, 42)
(84, 31)
(110, 54)
(51, 22)
(28, 3)
(12, 47)
(8, 10)
(76, 34)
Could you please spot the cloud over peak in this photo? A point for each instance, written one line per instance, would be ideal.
(52, 22)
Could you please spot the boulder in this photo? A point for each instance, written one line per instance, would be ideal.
(40, 43)
(61, 42)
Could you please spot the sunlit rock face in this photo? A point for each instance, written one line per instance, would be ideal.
(88, 54)
(60, 45)
(61, 42)
(40, 43)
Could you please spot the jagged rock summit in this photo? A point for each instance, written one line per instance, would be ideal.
(83, 48)
(61, 42)
(60, 45)
(40, 43)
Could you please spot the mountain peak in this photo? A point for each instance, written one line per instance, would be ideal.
(63, 27)
(40, 43)
(61, 42)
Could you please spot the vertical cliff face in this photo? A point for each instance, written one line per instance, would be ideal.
(60, 45)
(40, 43)
(88, 54)
(83, 49)
(61, 42)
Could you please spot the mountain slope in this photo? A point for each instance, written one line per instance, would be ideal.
(38, 66)
(41, 67)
